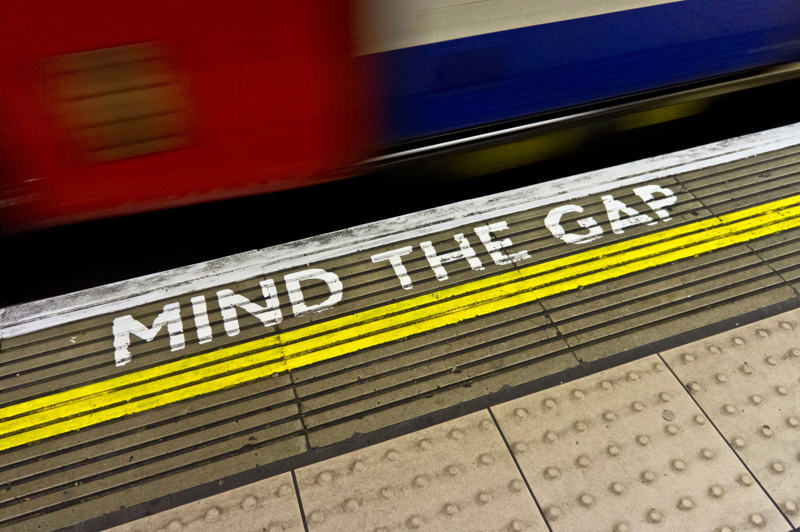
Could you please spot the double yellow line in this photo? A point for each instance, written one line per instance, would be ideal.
(85, 406)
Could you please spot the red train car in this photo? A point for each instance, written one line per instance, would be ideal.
(117, 107)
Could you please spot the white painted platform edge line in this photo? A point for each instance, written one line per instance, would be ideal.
(115, 297)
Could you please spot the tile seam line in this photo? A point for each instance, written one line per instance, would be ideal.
(299, 499)
(519, 469)
(200, 385)
(31, 317)
(299, 404)
(722, 436)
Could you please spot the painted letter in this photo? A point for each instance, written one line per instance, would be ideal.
(126, 325)
(269, 314)
(397, 263)
(465, 252)
(615, 207)
(485, 234)
(204, 333)
(553, 222)
(296, 294)
(646, 193)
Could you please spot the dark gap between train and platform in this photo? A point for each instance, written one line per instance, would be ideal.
(360, 441)
(422, 363)
(145, 444)
(23, 497)
(116, 489)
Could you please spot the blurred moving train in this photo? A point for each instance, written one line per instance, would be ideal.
(113, 107)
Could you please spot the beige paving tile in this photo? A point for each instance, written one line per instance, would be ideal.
(627, 449)
(748, 382)
(457, 476)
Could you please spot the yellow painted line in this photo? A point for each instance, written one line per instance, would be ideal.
(177, 381)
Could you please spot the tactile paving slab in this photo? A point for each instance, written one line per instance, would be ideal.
(266, 506)
(628, 450)
(458, 476)
(748, 382)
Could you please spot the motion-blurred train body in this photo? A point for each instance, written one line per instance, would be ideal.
(108, 108)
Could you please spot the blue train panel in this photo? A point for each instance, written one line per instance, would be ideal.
(482, 79)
